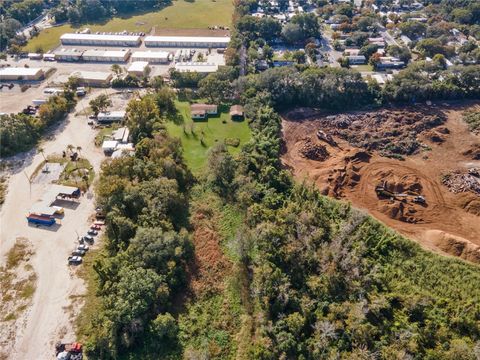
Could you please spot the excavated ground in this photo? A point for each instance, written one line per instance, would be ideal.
(424, 151)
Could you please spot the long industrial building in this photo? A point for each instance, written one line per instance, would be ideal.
(100, 40)
(21, 73)
(187, 41)
(106, 55)
(68, 55)
(196, 67)
(152, 57)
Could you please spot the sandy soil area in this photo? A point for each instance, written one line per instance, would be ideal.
(447, 223)
(48, 319)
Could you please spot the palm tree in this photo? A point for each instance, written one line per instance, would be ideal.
(117, 69)
(42, 152)
(79, 149)
(70, 148)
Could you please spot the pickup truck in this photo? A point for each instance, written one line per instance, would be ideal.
(92, 232)
(87, 239)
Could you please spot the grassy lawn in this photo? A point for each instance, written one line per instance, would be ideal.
(181, 14)
(215, 130)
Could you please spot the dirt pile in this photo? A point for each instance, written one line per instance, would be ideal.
(391, 132)
(314, 151)
(414, 199)
(458, 181)
(454, 245)
(473, 152)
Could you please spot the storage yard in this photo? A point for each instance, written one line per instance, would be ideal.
(430, 193)
(54, 243)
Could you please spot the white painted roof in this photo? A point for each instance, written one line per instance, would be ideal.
(106, 53)
(92, 75)
(109, 144)
(19, 71)
(196, 66)
(150, 54)
(70, 36)
(138, 66)
(111, 114)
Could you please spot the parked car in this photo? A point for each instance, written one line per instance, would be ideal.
(83, 246)
(92, 232)
(78, 252)
(74, 260)
(95, 227)
(87, 239)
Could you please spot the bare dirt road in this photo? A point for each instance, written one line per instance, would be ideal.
(351, 167)
(48, 319)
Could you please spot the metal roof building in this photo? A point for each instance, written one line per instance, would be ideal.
(197, 67)
(106, 55)
(93, 78)
(188, 41)
(68, 55)
(21, 73)
(104, 40)
(152, 57)
(110, 116)
(137, 68)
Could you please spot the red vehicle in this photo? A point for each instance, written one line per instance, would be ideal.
(69, 351)
(95, 227)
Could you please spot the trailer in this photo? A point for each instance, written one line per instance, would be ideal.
(40, 220)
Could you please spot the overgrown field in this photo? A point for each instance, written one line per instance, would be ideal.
(181, 14)
(199, 136)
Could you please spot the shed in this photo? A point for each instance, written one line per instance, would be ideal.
(237, 112)
(109, 146)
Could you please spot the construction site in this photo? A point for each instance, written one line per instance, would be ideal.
(416, 169)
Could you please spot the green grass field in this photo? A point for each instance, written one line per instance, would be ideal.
(213, 131)
(180, 15)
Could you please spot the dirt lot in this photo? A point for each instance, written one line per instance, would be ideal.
(424, 145)
(49, 316)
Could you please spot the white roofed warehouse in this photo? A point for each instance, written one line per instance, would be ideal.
(21, 73)
(196, 67)
(187, 41)
(100, 40)
(152, 57)
(68, 55)
(92, 78)
(106, 55)
(137, 68)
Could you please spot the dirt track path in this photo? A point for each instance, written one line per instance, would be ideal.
(47, 320)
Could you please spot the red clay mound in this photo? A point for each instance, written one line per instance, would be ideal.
(404, 187)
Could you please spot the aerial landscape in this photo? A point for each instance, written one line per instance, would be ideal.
(240, 179)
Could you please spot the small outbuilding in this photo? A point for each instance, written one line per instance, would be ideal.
(237, 112)
(201, 111)
(109, 146)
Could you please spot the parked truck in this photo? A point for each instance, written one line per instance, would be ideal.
(40, 220)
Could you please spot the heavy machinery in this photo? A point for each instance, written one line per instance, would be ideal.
(382, 191)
